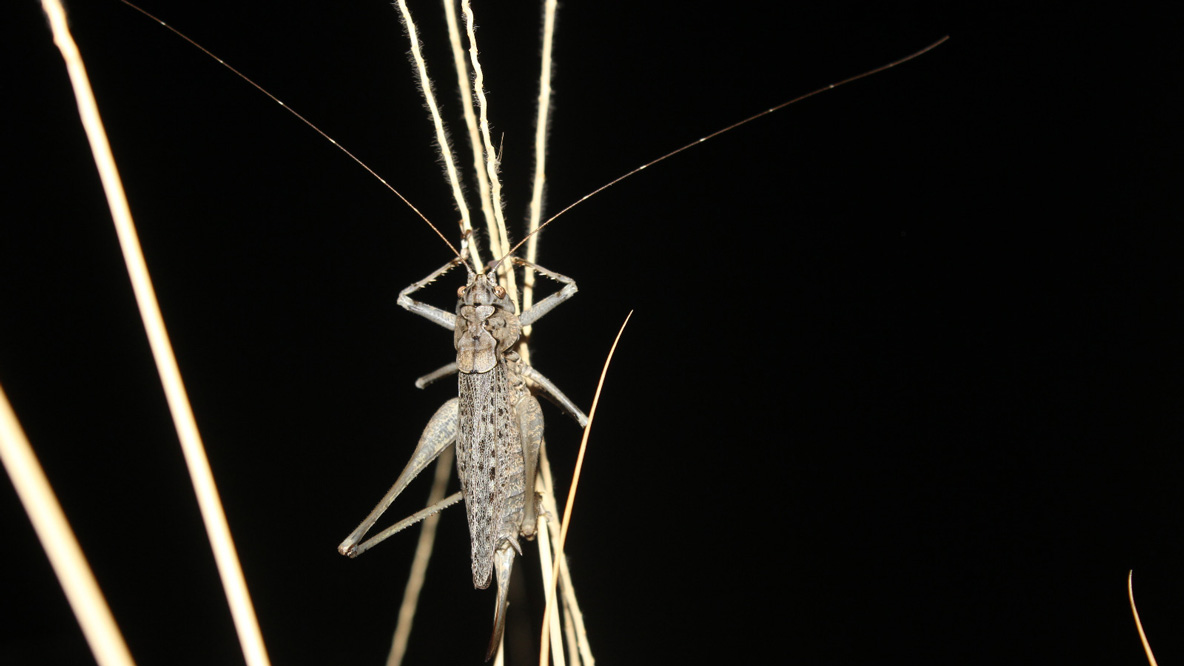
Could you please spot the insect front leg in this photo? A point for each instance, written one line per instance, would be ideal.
(439, 434)
(532, 315)
(536, 311)
(430, 312)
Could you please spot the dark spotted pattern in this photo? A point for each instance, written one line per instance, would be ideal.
(490, 464)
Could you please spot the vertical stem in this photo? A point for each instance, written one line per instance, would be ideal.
(217, 529)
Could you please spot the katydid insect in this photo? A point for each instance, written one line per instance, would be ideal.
(496, 423)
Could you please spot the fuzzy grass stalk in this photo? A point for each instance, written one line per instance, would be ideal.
(429, 96)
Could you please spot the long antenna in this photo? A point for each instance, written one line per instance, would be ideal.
(718, 132)
(302, 119)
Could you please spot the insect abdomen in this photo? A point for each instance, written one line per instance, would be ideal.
(490, 465)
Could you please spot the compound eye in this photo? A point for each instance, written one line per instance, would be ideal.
(499, 291)
(460, 292)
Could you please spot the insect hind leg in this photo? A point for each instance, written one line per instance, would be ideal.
(438, 435)
(530, 429)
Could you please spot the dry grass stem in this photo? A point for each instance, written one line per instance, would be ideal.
(425, 87)
(419, 564)
(475, 145)
(217, 529)
(540, 156)
(575, 482)
(1130, 593)
(569, 636)
(502, 242)
(546, 563)
(567, 591)
(69, 564)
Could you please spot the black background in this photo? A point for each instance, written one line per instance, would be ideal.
(903, 380)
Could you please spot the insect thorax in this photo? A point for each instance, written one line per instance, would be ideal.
(486, 324)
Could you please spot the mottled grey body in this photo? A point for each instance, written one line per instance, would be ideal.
(496, 423)
(490, 464)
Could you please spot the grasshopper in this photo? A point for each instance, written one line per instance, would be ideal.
(495, 422)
